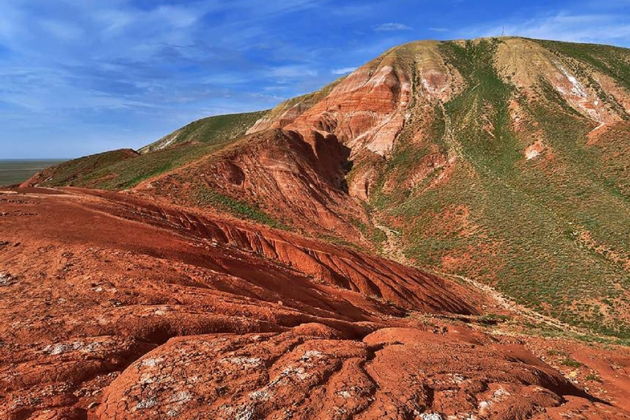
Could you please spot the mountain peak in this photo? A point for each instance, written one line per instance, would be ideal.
(502, 159)
(498, 165)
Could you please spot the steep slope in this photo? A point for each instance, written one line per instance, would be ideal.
(358, 114)
(288, 110)
(291, 181)
(503, 160)
(117, 307)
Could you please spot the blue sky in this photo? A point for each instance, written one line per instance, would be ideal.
(83, 76)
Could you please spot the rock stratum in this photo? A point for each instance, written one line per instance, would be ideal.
(503, 160)
(116, 308)
(235, 268)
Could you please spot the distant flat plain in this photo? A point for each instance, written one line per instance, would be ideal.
(14, 171)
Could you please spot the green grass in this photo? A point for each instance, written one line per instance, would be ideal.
(122, 169)
(567, 361)
(211, 130)
(73, 171)
(593, 377)
(204, 196)
(493, 318)
(526, 216)
(129, 173)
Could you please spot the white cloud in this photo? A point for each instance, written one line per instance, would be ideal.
(343, 70)
(438, 29)
(292, 72)
(113, 21)
(64, 31)
(177, 17)
(392, 26)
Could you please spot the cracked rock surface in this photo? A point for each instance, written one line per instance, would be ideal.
(123, 308)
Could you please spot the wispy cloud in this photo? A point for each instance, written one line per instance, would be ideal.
(84, 76)
(64, 31)
(284, 72)
(343, 70)
(392, 26)
(136, 70)
(596, 28)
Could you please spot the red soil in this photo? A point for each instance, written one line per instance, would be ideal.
(117, 308)
(298, 180)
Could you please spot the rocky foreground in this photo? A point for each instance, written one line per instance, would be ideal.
(114, 307)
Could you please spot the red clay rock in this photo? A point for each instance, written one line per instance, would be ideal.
(367, 109)
(393, 373)
(296, 179)
(121, 308)
(98, 279)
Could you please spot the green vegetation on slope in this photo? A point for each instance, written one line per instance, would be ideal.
(211, 130)
(205, 196)
(122, 169)
(613, 61)
(72, 172)
(129, 173)
(522, 221)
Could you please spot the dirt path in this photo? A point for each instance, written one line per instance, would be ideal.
(510, 305)
(393, 249)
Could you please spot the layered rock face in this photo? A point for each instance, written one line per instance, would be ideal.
(118, 308)
(503, 160)
(491, 158)
(368, 108)
(297, 179)
(295, 163)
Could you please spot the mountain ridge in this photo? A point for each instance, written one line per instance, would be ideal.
(440, 234)
(494, 158)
